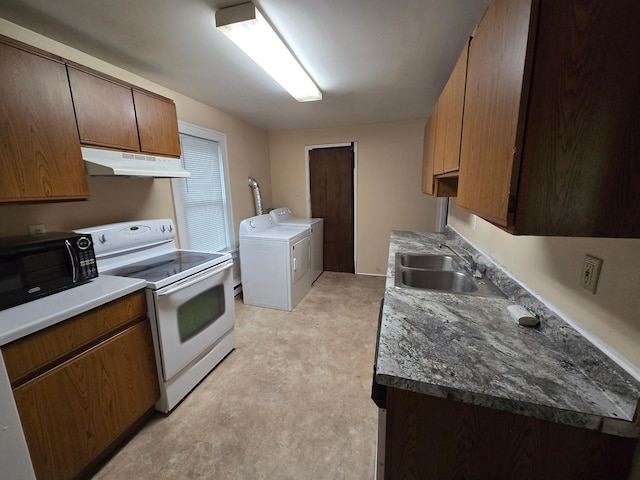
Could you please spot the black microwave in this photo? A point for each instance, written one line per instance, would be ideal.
(34, 266)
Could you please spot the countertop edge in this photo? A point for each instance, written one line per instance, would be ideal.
(612, 426)
(28, 318)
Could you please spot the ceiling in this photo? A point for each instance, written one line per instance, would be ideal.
(374, 60)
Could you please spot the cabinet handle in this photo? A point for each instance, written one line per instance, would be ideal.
(72, 257)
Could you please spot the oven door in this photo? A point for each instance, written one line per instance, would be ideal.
(192, 314)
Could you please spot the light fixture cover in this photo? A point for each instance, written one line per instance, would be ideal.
(248, 29)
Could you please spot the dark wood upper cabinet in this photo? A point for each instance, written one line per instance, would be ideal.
(157, 124)
(104, 111)
(449, 126)
(550, 141)
(39, 149)
(114, 114)
(442, 134)
(428, 153)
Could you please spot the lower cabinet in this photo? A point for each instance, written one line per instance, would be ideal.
(76, 407)
(436, 438)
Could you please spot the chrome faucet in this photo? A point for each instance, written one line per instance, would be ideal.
(470, 264)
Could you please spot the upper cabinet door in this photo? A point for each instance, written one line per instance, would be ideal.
(157, 124)
(40, 156)
(550, 133)
(453, 103)
(580, 172)
(428, 153)
(104, 111)
(490, 150)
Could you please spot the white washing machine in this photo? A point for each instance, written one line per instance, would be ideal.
(283, 216)
(275, 263)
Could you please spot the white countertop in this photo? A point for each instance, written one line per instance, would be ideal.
(22, 320)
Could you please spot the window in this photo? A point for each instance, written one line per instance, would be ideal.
(203, 201)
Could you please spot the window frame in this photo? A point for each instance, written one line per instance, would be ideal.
(178, 205)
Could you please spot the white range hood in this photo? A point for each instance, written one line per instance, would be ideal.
(100, 162)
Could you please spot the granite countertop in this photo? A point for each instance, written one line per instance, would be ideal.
(22, 320)
(468, 348)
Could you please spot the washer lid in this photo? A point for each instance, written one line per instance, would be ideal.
(283, 216)
(299, 221)
(279, 233)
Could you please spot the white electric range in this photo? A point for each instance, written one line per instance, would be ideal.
(189, 299)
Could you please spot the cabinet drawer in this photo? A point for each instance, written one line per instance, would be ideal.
(75, 411)
(35, 353)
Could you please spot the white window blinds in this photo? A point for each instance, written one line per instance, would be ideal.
(202, 206)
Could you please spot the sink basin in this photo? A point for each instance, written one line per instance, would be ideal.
(428, 261)
(438, 280)
(441, 273)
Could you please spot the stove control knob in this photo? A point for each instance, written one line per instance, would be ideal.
(170, 228)
(252, 224)
(163, 228)
(102, 238)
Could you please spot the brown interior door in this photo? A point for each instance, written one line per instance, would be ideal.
(331, 187)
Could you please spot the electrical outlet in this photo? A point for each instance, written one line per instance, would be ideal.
(590, 273)
(37, 229)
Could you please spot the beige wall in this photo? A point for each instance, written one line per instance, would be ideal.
(389, 169)
(115, 199)
(551, 267)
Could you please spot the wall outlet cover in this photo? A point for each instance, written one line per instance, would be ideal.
(37, 229)
(590, 273)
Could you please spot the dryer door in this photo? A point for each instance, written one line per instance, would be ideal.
(300, 259)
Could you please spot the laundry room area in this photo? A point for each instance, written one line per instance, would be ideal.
(281, 256)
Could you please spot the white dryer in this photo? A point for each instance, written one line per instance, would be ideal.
(283, 216)
(274, 263)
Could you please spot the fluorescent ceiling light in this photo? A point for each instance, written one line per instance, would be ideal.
(248, 29)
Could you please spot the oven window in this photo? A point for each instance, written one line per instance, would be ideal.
(200, 311)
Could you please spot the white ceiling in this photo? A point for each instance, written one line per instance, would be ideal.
(374, 60)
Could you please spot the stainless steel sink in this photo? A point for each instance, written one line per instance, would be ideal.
(441, 273)
(428, 261)
(438, 280)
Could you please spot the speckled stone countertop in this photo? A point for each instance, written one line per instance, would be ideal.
(468, 348)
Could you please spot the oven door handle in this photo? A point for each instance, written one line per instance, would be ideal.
(187, 282)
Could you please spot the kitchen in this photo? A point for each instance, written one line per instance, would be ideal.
(549, 266)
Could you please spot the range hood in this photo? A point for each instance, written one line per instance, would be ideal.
(100, 162)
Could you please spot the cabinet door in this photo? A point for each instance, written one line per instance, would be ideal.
(440, 135)
(581, 161)
(449, 126)
(39, 150)
(157, 124)
(428, 153)
(437, 438)
(72, 413)
(31, 355)
(104, 111)
(492, 131)
(454, 100)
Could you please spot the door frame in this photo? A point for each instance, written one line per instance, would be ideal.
(307, 149)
